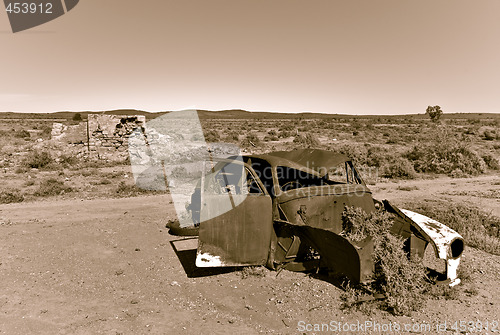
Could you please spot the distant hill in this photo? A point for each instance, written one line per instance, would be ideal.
(242, 114)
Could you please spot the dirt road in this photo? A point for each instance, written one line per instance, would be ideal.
(110, 267)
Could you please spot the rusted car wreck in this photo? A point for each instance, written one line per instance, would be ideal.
(274, 209)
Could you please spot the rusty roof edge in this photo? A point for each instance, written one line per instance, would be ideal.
(311, 159)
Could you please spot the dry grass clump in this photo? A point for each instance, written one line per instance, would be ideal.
(307, 141)
(212, 136)
(491, 161)
(126, 190)
(38, 159)
(253, 271)
(250, 139)
(51, 187)
(10, 196)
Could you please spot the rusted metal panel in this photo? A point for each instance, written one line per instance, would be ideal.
(235, 237)
(322, 206)
(339, 255)
(314, 159)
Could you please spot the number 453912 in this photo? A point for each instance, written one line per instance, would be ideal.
(29, 7)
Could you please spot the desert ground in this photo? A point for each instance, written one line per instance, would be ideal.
(91, 254)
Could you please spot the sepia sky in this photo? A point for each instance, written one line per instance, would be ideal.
(328, 56)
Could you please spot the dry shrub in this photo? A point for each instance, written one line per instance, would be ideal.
(212, 136)
(402, 280)
(10, 196)
(22, 134)
(446, 156)
(358, 225)
(490, 135)
(396, 276)
(51, 187)
(491, 161)
(358, 153)
(398, 167)
(68, 160)
(126, 190)
(352, 299)
(308, 140)
(285, 133)
(438, 291)
(253, 271)
(377, 156)
(271, 136)
(365, 154)
(250, 139)
(232, 137)
(38, 159)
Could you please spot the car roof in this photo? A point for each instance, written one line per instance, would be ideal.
(315, 161)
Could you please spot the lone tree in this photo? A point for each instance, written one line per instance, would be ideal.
(77, 117)
(434, 112)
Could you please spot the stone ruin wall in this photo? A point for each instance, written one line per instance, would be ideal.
(105, 137)
(101, 136)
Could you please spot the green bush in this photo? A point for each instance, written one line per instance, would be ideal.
(38, 159)
(51, 187)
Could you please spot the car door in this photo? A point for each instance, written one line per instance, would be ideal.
(235, 218)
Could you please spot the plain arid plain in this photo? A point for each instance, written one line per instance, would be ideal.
(86, 251)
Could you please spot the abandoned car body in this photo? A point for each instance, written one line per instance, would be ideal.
(280, 208)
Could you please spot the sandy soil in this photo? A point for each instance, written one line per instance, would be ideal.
(108, 266)
(482, 191)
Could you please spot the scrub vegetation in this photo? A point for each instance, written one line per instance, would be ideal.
(398, 279)
(390, 148)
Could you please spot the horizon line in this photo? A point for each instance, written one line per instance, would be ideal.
(236, 109)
